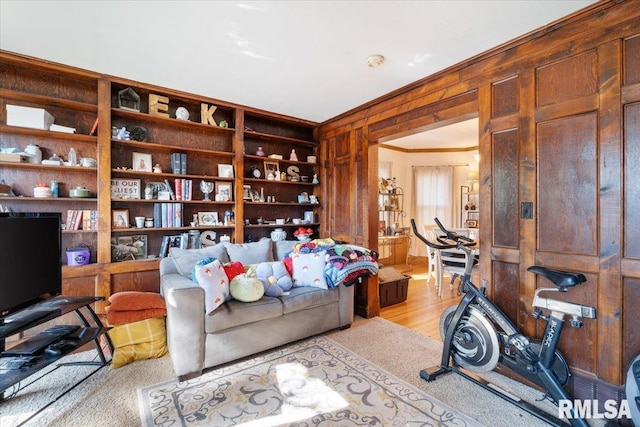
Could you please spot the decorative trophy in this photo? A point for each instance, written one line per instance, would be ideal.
(207, 188)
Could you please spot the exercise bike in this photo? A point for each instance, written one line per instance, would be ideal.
(477, 335)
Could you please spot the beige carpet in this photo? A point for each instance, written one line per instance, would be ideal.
(109, 397)
(313, 382)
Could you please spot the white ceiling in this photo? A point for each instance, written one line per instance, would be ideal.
(305, 59)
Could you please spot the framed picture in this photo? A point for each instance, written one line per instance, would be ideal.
(246, 192)
(255, 196)
(142, 162)
(129, 248)
(120, 218)
(225, 171)
(125, 188)
(272, 168)
(224, 191)
(207, 218)
(471, 223)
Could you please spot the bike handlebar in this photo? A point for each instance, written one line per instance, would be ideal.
(458, 239)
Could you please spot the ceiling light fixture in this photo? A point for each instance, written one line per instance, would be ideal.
(375, 60)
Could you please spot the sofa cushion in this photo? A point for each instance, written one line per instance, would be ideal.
(185, 259)
(237, 313)
(210, 275)
(144, 339)
(308, 270)
(282, 247)
(250, 253)
(303, 298)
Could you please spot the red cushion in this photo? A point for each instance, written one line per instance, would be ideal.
(232, 269)
(135, 300)
(288, 264)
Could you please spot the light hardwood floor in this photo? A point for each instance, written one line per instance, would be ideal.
(421, 311)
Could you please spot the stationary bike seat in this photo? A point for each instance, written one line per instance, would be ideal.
(562, 279)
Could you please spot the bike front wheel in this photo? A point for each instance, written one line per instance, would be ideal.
(474, 345)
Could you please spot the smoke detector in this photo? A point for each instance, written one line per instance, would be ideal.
(375, 60)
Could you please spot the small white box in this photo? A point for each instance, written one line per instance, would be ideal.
(36, 118)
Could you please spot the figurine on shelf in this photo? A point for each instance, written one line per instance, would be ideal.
(157, 168)
(293, 156)
(283, 176)
(260, 152)
(123, 134)
(315, 179)
(182, 113)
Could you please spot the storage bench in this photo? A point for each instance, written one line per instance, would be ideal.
(393, 286)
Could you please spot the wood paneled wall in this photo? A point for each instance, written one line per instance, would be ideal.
(559, 114)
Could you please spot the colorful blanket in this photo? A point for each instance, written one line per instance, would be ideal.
(345, 263)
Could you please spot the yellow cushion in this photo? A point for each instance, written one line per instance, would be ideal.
(145, 339)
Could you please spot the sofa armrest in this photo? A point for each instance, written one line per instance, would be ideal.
(185, 324)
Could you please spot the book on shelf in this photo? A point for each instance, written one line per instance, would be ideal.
(179, 163)
(182, 189)
(85, 219)
(167, 215)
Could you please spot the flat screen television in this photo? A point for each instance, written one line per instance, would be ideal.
(30, 259)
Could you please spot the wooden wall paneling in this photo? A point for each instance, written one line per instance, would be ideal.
(142, 281)
(505, 182)
(631, 244)
(630, 320)
(506, 279)
(505, 98)
(609, 291)
(567, 171)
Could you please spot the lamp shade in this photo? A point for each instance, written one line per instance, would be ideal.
(473, 176)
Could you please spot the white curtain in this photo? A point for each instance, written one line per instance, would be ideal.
(432, 198)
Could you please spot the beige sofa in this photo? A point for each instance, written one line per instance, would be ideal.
(198, 341)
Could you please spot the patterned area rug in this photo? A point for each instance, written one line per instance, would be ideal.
(316, 382)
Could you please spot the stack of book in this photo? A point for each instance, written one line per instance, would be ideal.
(167, 215)
(179, 163)
(81, 219)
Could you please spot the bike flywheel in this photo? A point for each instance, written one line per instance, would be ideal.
(475, 341)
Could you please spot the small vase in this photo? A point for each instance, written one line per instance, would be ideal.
(278, 234)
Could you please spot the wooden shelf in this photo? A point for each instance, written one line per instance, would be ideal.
(168, 147)
(134, 115)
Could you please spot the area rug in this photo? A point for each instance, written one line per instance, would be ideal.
(317, 382)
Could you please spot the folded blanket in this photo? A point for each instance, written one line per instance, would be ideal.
(344, 262)
(133, 306)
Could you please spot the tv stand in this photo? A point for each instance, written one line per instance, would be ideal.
(91, 329)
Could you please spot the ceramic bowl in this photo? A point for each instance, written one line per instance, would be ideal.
(79, 192)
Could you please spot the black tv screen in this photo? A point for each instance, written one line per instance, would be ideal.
(30, 253)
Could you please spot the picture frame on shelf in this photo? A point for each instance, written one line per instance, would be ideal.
(255, 196)
(120, 218)
(471, 223)
(207, 218)
(129, 248)
(141, 162)
(225, 171)
(271, 168)
(224, 191)
(246, 192)
(125, 188)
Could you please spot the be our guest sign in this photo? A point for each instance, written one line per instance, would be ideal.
(125, 188)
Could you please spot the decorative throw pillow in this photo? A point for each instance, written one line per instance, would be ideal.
(233, 269)
(250, 253)
(308, 270)
(246, 289)
(274, 278)
(210, 275)
(185, 259)
(144, 339)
